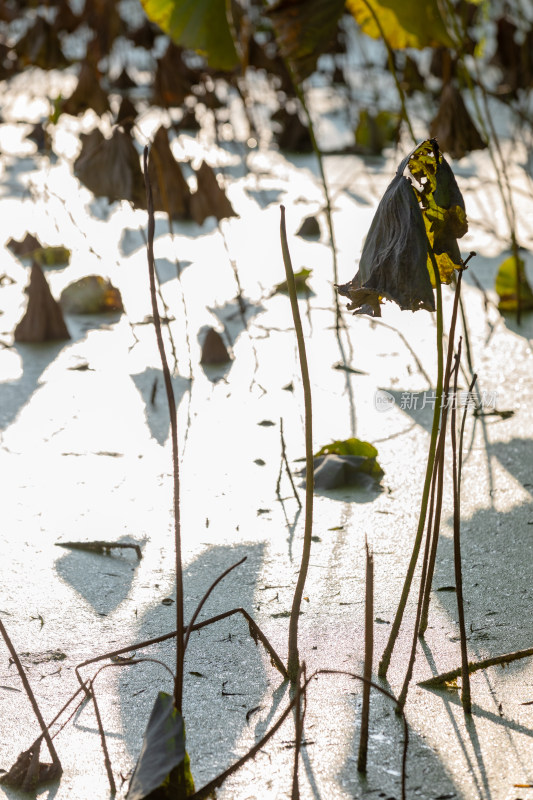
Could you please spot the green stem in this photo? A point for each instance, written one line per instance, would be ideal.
(294, 660)
(392, 67)
(395, 629)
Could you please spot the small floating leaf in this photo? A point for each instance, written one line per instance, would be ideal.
(91, 295)
(300, 280)
(506, 284)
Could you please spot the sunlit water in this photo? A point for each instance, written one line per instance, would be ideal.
(86, 454)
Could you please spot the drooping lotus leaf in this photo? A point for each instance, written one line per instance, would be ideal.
(394, 259)
(304, 29)
(404, 23)
(421, 208)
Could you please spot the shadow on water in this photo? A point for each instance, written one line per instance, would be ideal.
(224, 670)
(15, 394)
(104, 581)
(151, 386)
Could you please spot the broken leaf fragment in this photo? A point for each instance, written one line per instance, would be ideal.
(509, 278)
(25, 247)
(163, 767)
(309, 228)
(91, 295)
(30, 247)
(29, 772)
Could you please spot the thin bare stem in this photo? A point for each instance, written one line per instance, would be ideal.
(465, 696)
(299, 727)
(205, 598)
(285, 462)
(31, 697)
(178, 687)
(369, 651)
(293, 660)
(255, 632)
(103, 742)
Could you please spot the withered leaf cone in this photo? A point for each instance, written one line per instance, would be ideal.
(394, 259)
(111, 167)
(170, 190)
(453, 126)
(88, 93)
(43, 320)
(209, 199)
(214, 351)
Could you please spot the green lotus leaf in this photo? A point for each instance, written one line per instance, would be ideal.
(200, 25)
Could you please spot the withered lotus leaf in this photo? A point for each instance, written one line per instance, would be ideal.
(43, 320)
(170, 190)
(111, 167)
(453, 126)
(209, 199)
(173, 78)
(88, 93)
(214, 351)
(304, 29)
(394, 259)
(25, 246)
(40, 47)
